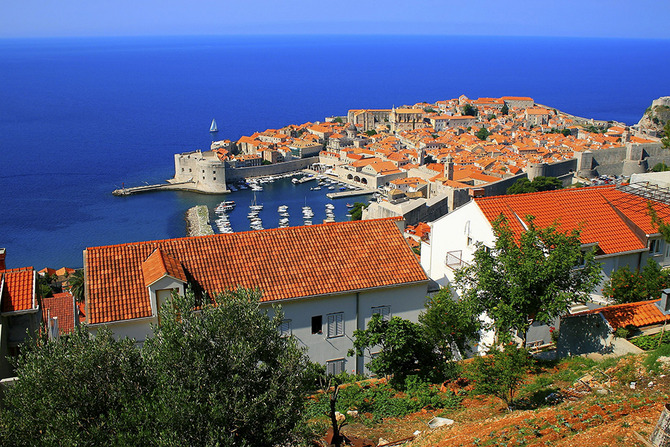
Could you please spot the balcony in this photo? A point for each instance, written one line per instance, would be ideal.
(454, 260)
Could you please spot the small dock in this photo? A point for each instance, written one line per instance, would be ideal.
(306, 179)
(350, 193)
(149, 188)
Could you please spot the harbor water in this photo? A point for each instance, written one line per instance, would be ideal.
(83, 117)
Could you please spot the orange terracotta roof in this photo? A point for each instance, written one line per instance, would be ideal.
(640, 314)
(18, 291)
(597, 210)
(158, 265)
(61, 305)
(517, 98)
(284, 263)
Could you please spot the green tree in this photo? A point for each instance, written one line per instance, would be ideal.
(539, 183)
(44, 289)
(469, 110)
(660, 167)
(224, 375)
(535, 277)
(357, 210)
(449, 322)
(658, 223)
(338, 120)
(405, 349)
(501, 373)
(370, 132)
(628, 286)
(77, 390)
(77, 284)
(504, 110)
(666, 132)
(482, 134)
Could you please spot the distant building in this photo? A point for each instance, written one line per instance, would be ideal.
(369, 119)
(406, 119)
(519, 102)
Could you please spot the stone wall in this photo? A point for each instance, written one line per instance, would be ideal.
(499, 188)
(234, 174)
(629, 160)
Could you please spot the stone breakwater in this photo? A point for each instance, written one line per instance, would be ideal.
(197, 221)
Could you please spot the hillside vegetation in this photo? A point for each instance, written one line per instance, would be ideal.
(577, 401)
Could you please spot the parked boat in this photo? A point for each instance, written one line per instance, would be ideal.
(254, 206)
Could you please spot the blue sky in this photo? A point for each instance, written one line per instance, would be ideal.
(569, 18)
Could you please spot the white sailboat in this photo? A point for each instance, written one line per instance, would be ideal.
(213, 127)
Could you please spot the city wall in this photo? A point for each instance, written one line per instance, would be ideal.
(234, 174)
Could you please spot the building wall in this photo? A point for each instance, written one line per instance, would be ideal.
(138, 329)
(583, 335)
(404, 301)
(204, 169)
(459, 230)
(234, 174)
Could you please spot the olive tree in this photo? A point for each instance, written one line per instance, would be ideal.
(224, 375)
(77, 390)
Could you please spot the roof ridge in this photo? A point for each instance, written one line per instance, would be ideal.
(161, 257)
(554, 191)
(18, 269)
(230, 235)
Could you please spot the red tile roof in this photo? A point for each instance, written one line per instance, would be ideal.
(284, 263)
(600, 211)
(159, 265)
(61, 305)
(640, 314)
(18, 293)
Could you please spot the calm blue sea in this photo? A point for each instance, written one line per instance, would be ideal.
(78, 118)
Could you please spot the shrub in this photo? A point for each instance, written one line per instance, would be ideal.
(382, 400)
(649, 342)
(627, 286)
(501, 373)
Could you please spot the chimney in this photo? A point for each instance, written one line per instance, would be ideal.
(664, 304)
(2, 259)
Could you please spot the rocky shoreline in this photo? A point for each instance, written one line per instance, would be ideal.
(197, 221)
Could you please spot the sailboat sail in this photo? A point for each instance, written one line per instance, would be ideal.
(213, 127)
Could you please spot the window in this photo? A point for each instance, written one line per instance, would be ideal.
(317, 324)
(285, 328)
(214, 179)
(656, 246)
(336, 325)
(335, 367)
(384, 311)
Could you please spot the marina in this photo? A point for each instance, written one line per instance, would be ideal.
(281, 203)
